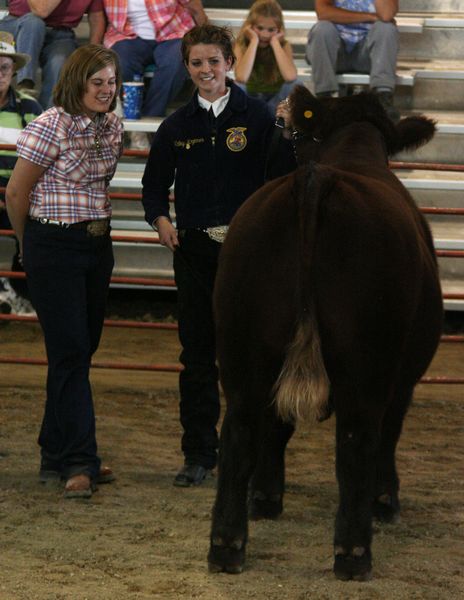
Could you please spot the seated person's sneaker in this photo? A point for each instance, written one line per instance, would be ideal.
(334, 94)
(386, 100)
(191, 475)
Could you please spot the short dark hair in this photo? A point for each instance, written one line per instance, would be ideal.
(209, 34)
(77, 70)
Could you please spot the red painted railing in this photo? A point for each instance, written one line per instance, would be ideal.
(153, 239)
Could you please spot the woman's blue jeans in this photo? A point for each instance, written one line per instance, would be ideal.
(68, 274)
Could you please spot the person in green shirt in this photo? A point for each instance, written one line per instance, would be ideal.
(264, 66)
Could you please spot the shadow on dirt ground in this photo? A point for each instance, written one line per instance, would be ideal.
(142, 538)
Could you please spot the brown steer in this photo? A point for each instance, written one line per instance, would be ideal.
(327, 298)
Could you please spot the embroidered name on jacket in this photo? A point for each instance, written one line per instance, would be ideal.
(187, 144)
(236, 141)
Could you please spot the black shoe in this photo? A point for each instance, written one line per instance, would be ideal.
(191, 475)
(333, 94)
(386, 100)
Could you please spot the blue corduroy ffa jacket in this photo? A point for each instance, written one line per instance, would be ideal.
(215, 166)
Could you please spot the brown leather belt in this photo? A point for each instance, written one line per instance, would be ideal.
(95, 228)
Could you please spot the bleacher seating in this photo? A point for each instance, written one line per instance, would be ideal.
(430, 80)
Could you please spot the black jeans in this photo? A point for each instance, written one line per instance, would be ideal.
(68, 274)
(195, 265)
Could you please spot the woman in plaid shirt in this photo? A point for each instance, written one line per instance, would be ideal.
(58, 205)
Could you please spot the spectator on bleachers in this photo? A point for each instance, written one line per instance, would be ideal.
(44, 29)
(57, 201)
(149, 32)
(16, 110)
(265, 67)
(217, 146)
(355, 35)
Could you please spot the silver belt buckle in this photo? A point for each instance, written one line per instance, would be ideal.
(218, 234)
(97, 228)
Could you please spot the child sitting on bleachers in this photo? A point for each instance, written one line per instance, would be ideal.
(265, 67)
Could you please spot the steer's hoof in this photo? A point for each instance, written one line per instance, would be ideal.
(265, 507)
(226, 557)
(386, 508)
(356, 564)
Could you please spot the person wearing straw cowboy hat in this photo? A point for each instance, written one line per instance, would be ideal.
(16, 111)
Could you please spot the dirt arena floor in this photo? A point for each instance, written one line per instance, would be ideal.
(142, 538)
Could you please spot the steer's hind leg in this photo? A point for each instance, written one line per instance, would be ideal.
(268, 481)
(237, 458)
(357, 443)
(386, 505)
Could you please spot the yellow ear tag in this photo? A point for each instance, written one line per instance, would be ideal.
(308, 114)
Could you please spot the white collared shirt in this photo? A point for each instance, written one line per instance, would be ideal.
(218, 105)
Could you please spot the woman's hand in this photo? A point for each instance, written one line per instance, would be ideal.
(167, 233)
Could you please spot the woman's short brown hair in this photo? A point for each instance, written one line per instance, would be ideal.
(208, 34)
(81, 65)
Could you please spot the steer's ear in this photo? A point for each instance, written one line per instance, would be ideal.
(306, 109)
(413, 132)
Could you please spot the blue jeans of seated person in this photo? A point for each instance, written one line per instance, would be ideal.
(48, 48)
(195, 265)
(169, 72)
(272, 100)
(29, 34)
(376, 55)
(58, 45)
(68, 274)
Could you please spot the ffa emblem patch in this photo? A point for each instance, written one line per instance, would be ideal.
(236, 140)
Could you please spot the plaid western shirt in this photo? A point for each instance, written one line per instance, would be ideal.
(80, 157)
(169, 17)
(354, 33)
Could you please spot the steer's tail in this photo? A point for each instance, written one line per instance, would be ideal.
(302, 388)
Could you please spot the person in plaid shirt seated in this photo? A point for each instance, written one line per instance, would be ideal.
(57, 201)
(355, 35)
(146, 32)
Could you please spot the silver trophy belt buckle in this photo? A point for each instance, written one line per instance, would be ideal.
(97, 228)
(218, 234)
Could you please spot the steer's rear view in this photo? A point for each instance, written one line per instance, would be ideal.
(327, 298)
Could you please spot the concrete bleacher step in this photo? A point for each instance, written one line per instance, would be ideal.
(155, 261)
(436, 181)
(431, 6)
(297, 20)
(428, 188)
(447, 146)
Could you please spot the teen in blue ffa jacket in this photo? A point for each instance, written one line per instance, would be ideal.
(217, 146)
